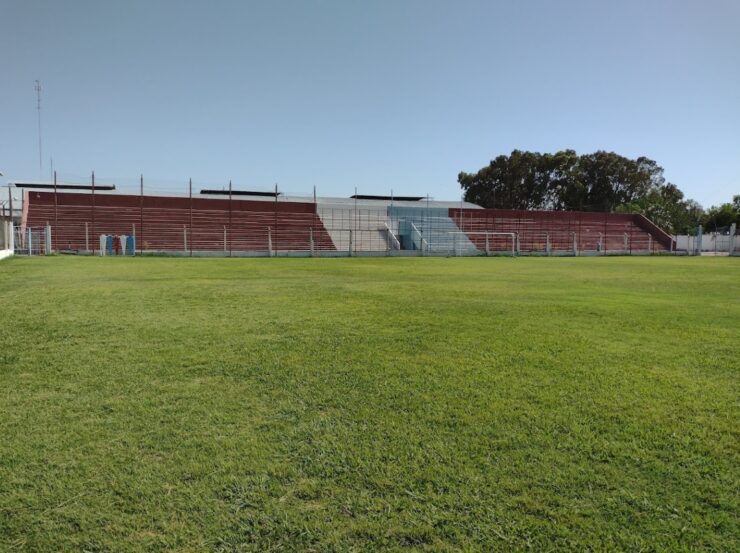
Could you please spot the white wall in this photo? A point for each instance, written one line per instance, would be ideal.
(709, 243)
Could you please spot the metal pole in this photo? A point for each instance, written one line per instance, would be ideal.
(141, 214)
(87, 238)
(276, 215)
(185, 238)
(93, 209)
(488, 249)
(10, 201)
(56, 218)
(191, 216)
(269, 241)
(310, 236)
(229, 218)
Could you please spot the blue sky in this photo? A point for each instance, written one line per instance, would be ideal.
(376, 95)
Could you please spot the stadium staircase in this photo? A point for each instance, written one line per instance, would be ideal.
(430, 230)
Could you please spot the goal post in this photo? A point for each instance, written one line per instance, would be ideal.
(487, 235)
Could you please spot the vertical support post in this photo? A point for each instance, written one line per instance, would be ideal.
(310, 237)
(518, 244)
(513, 245)
(601, 242)
(87, 238)
(141, 213)
(93, 209)
(185, 238)
(626, 243)
(650, 244)
(11, 236)
(30, 242)
(488, 248)
(190, 224)
(269, 242)
(575, 245)
(48, 239)
(10, 202)
(350, 243)
(229, 218)
(133, 233)
(56, 218)
(224, 239)
(699, 236)
(548, 245)
(731, 245)
(276, 213)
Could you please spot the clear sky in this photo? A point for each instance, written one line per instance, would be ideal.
(377, 95)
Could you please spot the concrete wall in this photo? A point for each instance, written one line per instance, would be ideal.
(712, 242)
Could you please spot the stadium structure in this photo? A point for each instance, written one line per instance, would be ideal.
(241, 223)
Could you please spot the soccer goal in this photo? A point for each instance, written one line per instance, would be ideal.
(485, 240)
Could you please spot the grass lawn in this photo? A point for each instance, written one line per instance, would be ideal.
(481, 404)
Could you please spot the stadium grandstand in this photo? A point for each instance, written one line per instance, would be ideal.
(245, 223)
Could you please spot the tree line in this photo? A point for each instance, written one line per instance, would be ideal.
(600, 181)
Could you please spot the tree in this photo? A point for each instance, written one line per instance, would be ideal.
(600, 181)
(721, 217)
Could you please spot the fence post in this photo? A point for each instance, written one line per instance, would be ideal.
(488, 248)
(30, 242)
(224, 239)
(11, 236)
(48, 239)
(350, 239)
(731, 246)
(650, 244)
(133, 233)
(601, 243)
(310, 235)
(87, 239)
(269, 241)
(185, 238)
(575, 245)
(626, 246)
(699, 236)
(548, 246)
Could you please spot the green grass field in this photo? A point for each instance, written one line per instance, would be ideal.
(483, 404)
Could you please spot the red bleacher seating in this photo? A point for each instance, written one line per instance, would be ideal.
(164, 223)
